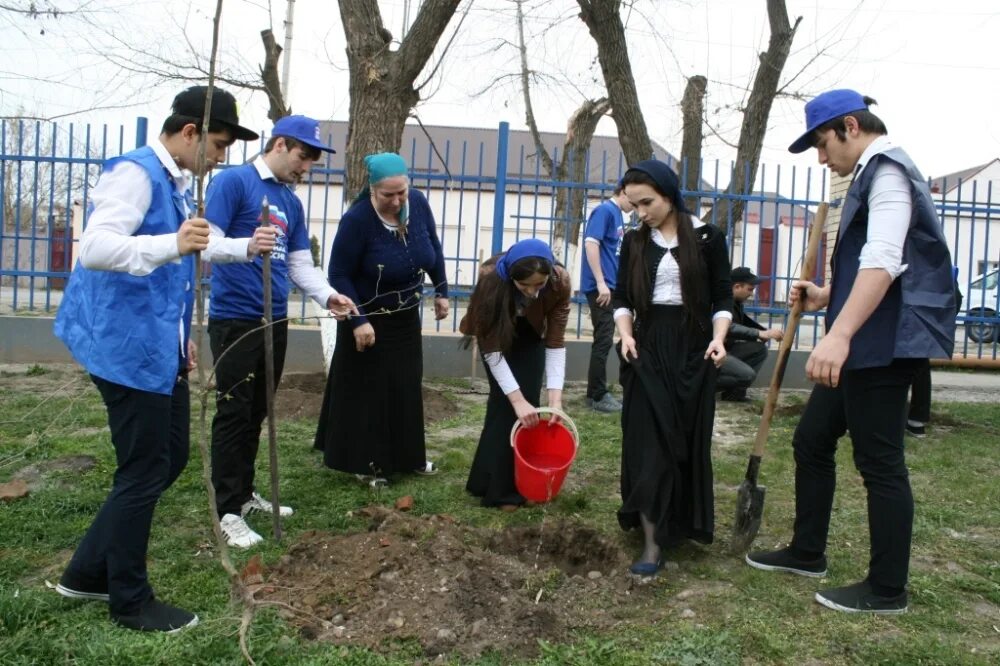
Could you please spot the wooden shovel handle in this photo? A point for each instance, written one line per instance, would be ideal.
(808, 271)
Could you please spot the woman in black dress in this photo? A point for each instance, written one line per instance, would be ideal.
(673, 305)
(372, 419)
(518, 314)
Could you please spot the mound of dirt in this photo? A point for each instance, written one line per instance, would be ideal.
(300, 396)
(452, 588)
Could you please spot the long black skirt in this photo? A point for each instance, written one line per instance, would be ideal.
(492, 475)
(667, 416)
(372, 420)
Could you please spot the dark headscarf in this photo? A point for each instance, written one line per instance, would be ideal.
(666, 181)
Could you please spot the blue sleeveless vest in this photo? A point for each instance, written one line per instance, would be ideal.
(126, 328)
(916, 318)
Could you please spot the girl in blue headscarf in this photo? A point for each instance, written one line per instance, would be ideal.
(517, 313)
(372, 423)
(672, 305)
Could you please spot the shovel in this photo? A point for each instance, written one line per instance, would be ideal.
(750, 496)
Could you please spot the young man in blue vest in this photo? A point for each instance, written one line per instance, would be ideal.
(890, 306)
(602, 244)
(126, 317)
(233, 208)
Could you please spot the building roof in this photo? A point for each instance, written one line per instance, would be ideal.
(442, 151)
(947, 183)
(776, 209)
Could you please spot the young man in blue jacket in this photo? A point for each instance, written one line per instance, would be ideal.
(233, 209)
(126, 317)
(884, 319)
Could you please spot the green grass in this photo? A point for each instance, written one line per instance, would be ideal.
(742, 616)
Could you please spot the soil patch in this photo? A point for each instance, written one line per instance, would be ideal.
(451, 588)
(38, 474)
(300, 396)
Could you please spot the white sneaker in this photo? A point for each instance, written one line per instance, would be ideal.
(238, 533)
(258, 503)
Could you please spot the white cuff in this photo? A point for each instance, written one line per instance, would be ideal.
(622, 312)
(501, 372)
(555, 368)
(722, 314)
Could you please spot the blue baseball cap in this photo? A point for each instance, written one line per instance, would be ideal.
(302, 129)
(824, 108)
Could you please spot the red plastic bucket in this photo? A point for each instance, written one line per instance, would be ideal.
(543, 455)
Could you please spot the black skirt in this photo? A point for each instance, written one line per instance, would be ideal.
(372, 420)
(492, 475)
(667, 416)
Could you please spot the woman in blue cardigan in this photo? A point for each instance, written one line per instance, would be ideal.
(386, 246)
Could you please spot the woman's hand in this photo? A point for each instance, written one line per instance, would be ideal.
(364, 337)
(526, 412)
(629, 349)
(716, 351)
(192, 356)
(440, 308)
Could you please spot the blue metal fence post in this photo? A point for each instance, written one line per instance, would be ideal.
(500, 194)
(141, 131)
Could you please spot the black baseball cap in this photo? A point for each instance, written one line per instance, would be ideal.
(743, 274)
(224, 111)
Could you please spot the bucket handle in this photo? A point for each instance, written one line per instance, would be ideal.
(550, 410)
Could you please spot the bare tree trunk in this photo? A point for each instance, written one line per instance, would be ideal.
(756, 113)
(693, 110)
(382, 80)
(570, 200)
(272, 81)
(605, 24)
(579, 133)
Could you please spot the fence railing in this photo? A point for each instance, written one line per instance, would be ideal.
(485, 194)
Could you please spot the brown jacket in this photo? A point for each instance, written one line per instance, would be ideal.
(547, 314)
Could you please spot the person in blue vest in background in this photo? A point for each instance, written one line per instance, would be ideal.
(233, 208)
(126, 318)
(884, 319)
(602, 243)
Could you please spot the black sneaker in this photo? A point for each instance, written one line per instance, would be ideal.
(916, 430)
(157, 616)
(782, 560)
(73, 587)
(736, 395)
(859, 598)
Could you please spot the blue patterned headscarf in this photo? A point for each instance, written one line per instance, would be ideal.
(530, 247)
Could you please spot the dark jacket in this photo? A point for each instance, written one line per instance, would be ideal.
(744, 328)
(547, 314)
(715, 263)
(916, 318)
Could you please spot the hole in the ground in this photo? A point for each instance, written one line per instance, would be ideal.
(572, 549)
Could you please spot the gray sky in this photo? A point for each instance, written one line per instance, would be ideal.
(933, 67)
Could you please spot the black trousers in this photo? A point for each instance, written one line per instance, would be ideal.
(871, 404)
(602, 319)
(743, 361)
(920, 394)
(240, 404)
(151, 436)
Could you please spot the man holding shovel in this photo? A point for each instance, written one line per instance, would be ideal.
(884, 318)
(234, 210)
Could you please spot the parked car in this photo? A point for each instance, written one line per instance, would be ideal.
(981, 301)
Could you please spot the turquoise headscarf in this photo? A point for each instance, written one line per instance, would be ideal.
(381, 166)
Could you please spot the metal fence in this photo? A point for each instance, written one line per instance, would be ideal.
(485, 193)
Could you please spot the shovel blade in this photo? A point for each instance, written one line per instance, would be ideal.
(749, 512)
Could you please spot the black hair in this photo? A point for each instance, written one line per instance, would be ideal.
(868, 122)
(618, 189)
(176, 122)
(310, 152)
(496, 298)
(688, 256)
